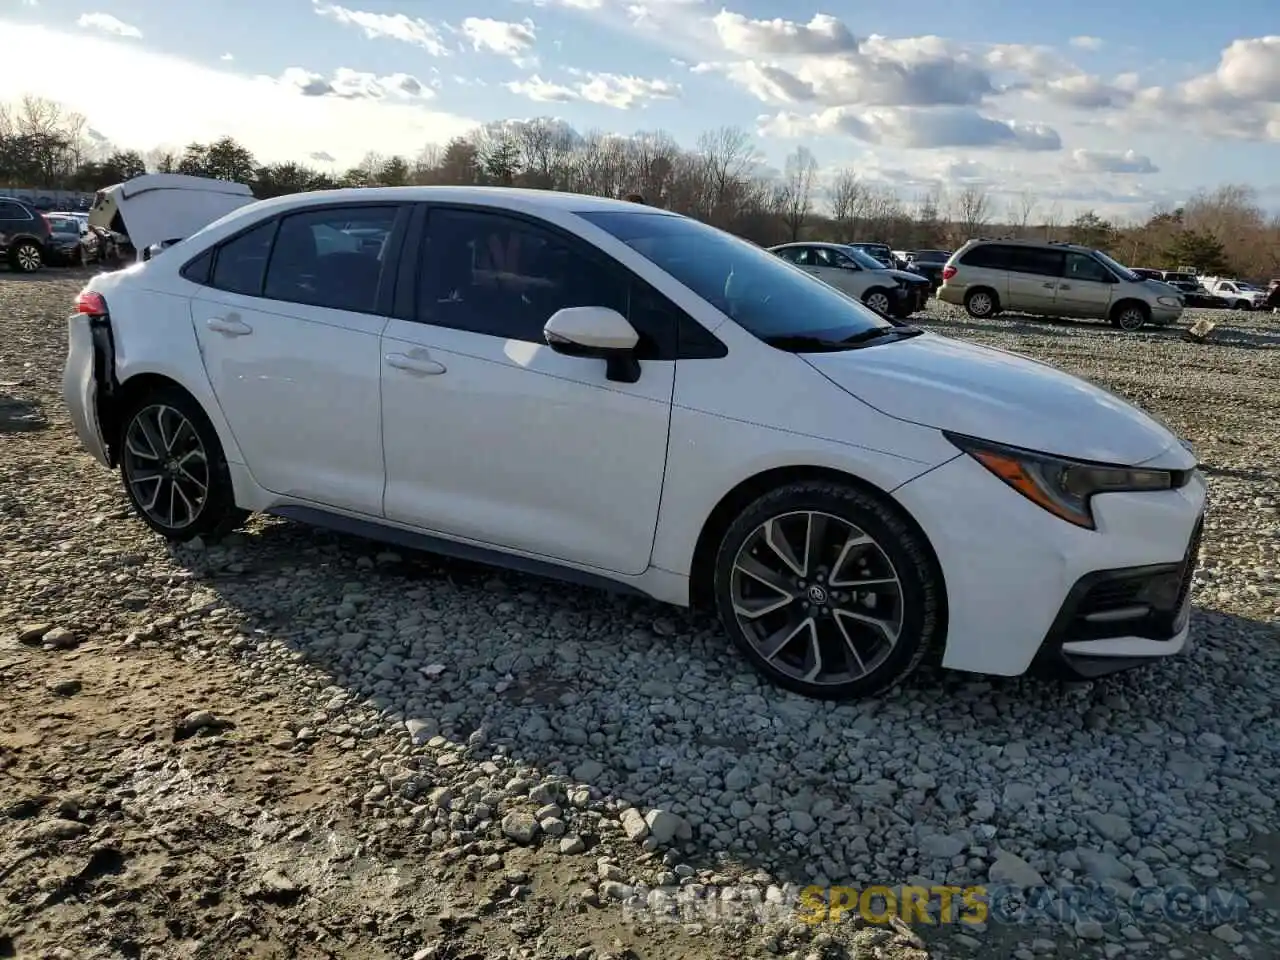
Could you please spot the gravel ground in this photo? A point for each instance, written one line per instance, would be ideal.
(297, 744)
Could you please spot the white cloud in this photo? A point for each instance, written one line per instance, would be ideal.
(1087, 43)
(392, 26)
(200, 103)
(106, 23)
(348, 84)
(824, 34)
(607, 89)
(917, 128)
(227, 57)
(1111, 161)
(499, 36)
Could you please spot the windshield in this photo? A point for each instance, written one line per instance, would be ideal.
(1122, 270)
(758, 290)
(1250, 287)
(864, 259)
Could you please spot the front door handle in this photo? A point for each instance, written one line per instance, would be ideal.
(1064, 286)
(231, 326)
(1051, 286)
(418, 363)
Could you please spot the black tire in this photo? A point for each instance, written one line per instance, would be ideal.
(25, 256)
(920, 601)
(981, 303)
(217, 515)
(878, 295)
(1130, 315)
(1243, 305)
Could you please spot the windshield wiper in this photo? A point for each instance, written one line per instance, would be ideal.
(875, 333)
(791, 341)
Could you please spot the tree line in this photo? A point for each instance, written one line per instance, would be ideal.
(721, 179)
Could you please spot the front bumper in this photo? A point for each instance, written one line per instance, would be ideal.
(911, 299)
(1021, 584)
(80, 386)
(1163, 316)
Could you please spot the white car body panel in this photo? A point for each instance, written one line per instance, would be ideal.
(515, 446)
(300, 389)
(982, 392)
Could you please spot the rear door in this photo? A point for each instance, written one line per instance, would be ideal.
(1085, 289)
(289, 325)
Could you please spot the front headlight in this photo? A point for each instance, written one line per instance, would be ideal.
(1169, 301)
(1063, 487)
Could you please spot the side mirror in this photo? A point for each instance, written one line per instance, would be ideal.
(597, 332)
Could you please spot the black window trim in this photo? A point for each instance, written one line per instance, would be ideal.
(28, 214)
(690, 340)
(384, 301)
(1107, 271)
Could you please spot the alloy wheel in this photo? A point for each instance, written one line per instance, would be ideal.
(28, 256)
(879, 302)
(980, 304)
(1131, 319)
(166, 466)
(817, 597)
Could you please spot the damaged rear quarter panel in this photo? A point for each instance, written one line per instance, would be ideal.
(152, 333)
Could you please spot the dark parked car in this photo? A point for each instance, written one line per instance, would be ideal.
(1149, 274)
(1195, 295)
(929, 264)
(71, 242)
(880, 251)
(23, 235)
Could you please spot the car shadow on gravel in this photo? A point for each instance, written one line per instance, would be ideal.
(648, 703)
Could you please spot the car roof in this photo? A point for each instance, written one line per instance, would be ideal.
(514, 197)
(1022, 242)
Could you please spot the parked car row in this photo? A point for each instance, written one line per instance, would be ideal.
(30, 239)
(1224, 293)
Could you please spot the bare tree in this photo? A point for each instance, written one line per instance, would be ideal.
(1026, 209)
(1053, 220)
(972, 210)
(847, 196)
(796, 197)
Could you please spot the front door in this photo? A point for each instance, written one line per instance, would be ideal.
(1085, 288)
(293, 354)
(490, 435)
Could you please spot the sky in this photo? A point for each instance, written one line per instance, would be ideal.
(1121, 107)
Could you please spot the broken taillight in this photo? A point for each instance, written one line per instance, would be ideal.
(91, 303)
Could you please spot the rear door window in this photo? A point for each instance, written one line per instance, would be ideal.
(1039, 261)
(989, 256)
(241, 264)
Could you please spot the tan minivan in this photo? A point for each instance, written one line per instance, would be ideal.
(1054, 280)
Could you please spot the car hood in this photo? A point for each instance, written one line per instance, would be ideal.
(905, 275)
(995, 395)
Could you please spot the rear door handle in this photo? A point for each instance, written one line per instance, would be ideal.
(419, 363)
(1064, 286)
(1051, 286)
(231, 326)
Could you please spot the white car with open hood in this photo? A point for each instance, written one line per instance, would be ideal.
(622, 396)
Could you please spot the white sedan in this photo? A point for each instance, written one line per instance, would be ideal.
(621, 396)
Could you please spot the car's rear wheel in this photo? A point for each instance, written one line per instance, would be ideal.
(25, 257)
(173, 468)
(1243, 305)
(828, 591)
(980, 303)
(878, 300)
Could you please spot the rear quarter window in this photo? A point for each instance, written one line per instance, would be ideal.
(989, 256)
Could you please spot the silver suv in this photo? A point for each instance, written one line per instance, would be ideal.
(1054, 280)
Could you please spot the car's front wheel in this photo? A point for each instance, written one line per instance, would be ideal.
(173, 468)
(1243, 305)
(879, 301)
(827, 590)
